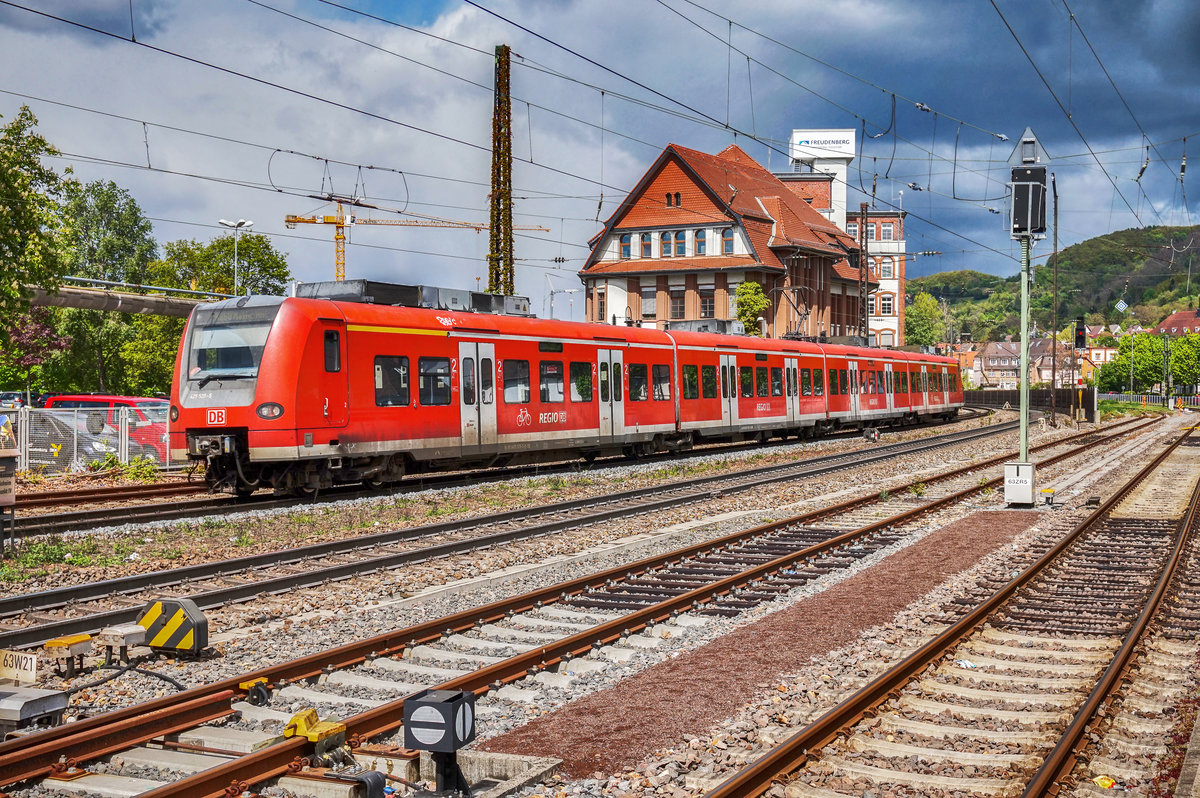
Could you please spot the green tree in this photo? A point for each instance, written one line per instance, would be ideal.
(209, 267)
(1185, 360)
(31, 249)
(924, 324)
(149, 355)
(110, 237)
(1147, 353)
(751, 303)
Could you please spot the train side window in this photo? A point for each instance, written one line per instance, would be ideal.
(333, 350)
(746, 375)
(761, 380)
(805, 382)
(661, 373)
(391, 381)
(485, 381)
(603, 382)
(842, 382)
(433, 380)
(639, 387)
(776, 381)
(581, 382)
(904, 382)
(468, 380)
(880, 386)
(708, 382)
(691, 382)
(550, 381)
(833, 382)
(818, 382)
(516, 382)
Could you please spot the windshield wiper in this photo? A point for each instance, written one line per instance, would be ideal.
(206, 380)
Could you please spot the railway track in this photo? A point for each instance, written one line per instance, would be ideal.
(1006, 700)
(62, 520)
(32, 619)
(552, 634)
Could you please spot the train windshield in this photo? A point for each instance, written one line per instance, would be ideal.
(227, 343)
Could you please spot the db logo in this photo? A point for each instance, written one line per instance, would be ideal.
(216, 415)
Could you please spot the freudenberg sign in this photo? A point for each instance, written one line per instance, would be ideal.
(808, 145)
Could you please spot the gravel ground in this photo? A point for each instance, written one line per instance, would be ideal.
(319, 618)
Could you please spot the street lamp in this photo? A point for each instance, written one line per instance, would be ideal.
(235, 226)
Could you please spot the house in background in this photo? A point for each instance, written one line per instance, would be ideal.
(698, 225)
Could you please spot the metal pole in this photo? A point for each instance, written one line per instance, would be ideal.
(235, 261)
(1026, 245)
(1054, 324)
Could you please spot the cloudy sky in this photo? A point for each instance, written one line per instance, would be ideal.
(248, 108)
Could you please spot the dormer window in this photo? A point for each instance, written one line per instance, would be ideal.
(678, 202)
(646, 245)
(668, 199)
(680, 244)
(665, 239)
(699, 242)
(727, 241)
(626, 243)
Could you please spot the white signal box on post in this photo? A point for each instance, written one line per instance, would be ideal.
(1019, 482)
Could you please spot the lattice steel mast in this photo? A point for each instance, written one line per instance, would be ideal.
(500, 252)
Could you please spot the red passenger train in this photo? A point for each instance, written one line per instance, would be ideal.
(297, 394)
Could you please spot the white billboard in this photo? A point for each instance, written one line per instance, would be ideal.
(809, 145)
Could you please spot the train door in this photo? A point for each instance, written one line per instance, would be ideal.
(889, 384)
(924, 387)
(332, 379)
(477, 393)
(609, 374)
(729, 391)
(791, 389)
(854, 388)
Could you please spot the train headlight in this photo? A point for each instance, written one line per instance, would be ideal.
(174, 413)
(269, 410)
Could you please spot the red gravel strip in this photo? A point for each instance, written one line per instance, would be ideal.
(653, 709)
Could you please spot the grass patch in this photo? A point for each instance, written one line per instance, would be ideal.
(1111, 408)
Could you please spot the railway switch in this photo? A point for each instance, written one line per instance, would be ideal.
(174, 626)
(328, 736)
(441, 722)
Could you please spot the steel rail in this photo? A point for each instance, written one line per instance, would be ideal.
(678, 493)
(1059, 763)
(53, 498)
(281, 758)
(793, 753)
(14, 767)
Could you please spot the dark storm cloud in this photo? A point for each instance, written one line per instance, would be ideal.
(149, 17)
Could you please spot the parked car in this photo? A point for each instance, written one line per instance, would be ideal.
(11, 400)
(147, 419)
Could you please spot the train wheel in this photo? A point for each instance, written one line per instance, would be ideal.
(374, 484)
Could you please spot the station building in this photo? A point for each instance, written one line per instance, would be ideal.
(698, 225)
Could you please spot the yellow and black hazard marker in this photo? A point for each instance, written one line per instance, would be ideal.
(174, 625)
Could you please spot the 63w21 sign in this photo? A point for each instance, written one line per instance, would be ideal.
(17, 666)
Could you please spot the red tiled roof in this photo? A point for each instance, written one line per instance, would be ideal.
(714, 187)
(698, 263)
(1181, 321)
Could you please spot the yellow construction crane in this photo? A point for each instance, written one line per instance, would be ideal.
(341, 221)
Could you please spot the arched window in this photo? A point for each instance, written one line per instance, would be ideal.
(680, 244)
(666, 244)
(646, 245)
(668, 199)
(677, 201)
(626, 240)
(699, 242)
(887, 269)
(727, 241)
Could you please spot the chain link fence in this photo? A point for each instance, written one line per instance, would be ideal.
(61, 441)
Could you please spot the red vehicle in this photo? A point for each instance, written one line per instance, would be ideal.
(147, 419)
(301, 393)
